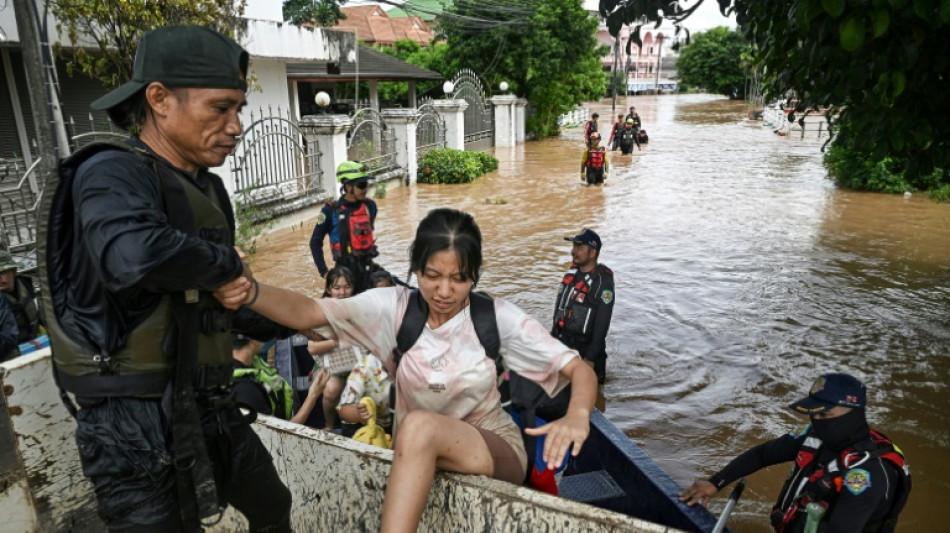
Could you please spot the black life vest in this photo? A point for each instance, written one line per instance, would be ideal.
(595, 158)
(574, 313)
(355, 227)
(23, 303)
(139, 367)
(627, 135)
(810, 481)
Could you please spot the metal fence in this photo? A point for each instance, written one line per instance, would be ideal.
(92, 130)
(430, 130)
(479, 116)
(273, 167)
(20, 192)
(372, 143)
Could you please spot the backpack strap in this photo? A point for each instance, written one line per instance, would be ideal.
(414, 321)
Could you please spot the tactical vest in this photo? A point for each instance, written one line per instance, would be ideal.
(574, 314)
(139, 367)
(595, 158)
(23, 302)
(627, 135)
(810, 481)
(278, 392)
(355, 227)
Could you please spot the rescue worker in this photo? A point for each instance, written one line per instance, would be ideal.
(628, 138)
(138, 235)
(590, 127)
(614, 140)
(8, 332)
(20, 293)
(635, 117)
(856, 474)
(585, 304)
(259, 386)
(594, 163)
(349, 222)
(642, 137)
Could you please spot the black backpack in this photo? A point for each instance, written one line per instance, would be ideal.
(526, 396)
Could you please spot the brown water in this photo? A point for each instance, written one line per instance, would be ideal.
(741, 273)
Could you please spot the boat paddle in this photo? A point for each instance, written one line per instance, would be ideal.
(730, 505)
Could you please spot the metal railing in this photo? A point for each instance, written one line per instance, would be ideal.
(274, 167)
(372, 143)
(19, 204)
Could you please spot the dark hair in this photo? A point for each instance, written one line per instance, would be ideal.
(380, 276)
(448, 229)
(336, 273)
(130, 113)
(595, 115)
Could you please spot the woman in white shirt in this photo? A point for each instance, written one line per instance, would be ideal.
(448, 410)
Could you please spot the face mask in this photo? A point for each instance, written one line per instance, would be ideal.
(839, 432)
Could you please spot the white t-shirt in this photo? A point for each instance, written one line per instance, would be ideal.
(447, 370)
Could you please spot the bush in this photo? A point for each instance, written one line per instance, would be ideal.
(448, 165)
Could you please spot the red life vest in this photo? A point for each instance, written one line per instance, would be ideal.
(813, 482)
(356, 231)
(595, 158)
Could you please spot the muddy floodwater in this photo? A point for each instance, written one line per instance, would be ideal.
(742, 273)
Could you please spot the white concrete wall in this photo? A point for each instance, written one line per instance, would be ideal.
(337, 484)
(275, 39)
(264, 10)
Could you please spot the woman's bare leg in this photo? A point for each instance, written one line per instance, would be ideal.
(426, 441)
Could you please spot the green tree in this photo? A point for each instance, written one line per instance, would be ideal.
(879, 66)
(713, 60)
(323, 13)
(544, 49)
(115, 27)
(435, 57)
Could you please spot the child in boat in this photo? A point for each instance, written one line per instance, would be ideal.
(594, 163)
(340, 284)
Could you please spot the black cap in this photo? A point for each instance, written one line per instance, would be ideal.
(830, 390)
(588, 237)
(182, 56)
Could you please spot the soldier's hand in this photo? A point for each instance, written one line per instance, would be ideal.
(246, 272)
(699, 492)
(234, 293)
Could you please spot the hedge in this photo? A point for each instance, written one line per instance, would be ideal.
(448, 165)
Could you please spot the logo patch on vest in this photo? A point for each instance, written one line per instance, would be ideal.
(857, 480)
(321, 218)
(607, 297)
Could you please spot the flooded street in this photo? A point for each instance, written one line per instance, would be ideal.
(741, 275)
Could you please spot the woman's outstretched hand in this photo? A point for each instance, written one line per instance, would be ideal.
(572, 429)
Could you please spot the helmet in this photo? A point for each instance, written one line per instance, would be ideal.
(350, 171)
(629, 121)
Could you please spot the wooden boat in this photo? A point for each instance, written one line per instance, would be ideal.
(337, 483)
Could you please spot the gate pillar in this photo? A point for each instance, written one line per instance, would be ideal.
(403, 122)
(329, 133)
(520, 106)
(453, 113)
(505, 119)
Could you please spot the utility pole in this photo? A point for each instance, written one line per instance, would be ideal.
(613, 73)
(35, 73)
(659, 54)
